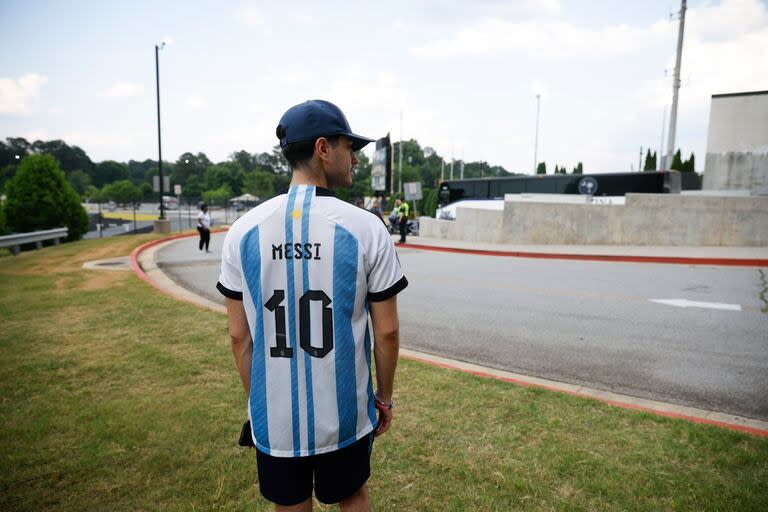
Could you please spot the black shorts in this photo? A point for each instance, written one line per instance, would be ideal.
(337, 475)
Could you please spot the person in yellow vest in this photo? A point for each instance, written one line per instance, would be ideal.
(403, 210)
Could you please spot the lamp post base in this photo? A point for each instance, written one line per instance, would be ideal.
(162, 226)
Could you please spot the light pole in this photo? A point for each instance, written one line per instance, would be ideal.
(536, 140)
(159, 144)
(675, 89)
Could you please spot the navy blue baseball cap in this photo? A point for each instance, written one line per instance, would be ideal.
(313, 119)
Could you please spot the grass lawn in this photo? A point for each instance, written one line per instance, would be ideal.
(114, 396)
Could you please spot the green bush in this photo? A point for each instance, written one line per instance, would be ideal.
(39, 197)
(428, 203)
(3, 231)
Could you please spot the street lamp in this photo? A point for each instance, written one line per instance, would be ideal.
(159, 144)
(536, 141)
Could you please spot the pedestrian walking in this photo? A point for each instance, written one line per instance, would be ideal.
(300, 274)
(204, 227)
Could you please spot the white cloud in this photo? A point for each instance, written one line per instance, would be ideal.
(36, 135)
(556, 40)
(123, 90)
(17, 94)
(195, 102)
(724, 51)
(399, 26)
(251, 17)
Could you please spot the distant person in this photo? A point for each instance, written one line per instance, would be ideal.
(300, 274)
(376, 209)
(204, 227)
(403, 211)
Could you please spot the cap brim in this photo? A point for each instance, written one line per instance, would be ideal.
(359, 142)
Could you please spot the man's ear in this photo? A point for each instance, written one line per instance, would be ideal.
(322, 148)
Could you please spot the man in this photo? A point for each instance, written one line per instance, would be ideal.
(403, 211)
(300, 273)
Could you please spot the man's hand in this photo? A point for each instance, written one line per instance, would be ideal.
(385, 419)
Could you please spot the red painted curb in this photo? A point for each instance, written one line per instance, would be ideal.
(138, 250)
(676, 260)
(741, 428)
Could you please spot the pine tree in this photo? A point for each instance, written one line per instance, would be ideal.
(654, 162)
(579, 169)
(690, 164)
(648, 162)
(677, 162)
(541, 168)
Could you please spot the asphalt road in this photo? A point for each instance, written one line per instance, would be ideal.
(588, 323)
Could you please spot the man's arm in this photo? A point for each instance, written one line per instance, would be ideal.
(242, 345)
(386, 346)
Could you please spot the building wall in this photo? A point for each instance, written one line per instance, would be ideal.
(645, 219)
(737, 143)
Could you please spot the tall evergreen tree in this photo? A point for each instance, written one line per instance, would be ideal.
(649, 165)
(541, 168)
(677, 162)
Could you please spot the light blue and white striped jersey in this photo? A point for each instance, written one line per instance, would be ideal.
(306, 265)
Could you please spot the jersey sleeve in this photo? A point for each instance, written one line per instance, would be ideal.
(230, 278)
(385, 277)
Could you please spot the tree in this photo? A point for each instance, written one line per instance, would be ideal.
(677, 163)
(541, 168)
(188, 165)
(225, 173)
(259, 183)
(689, 165)
(109, 171)
(92, 194)
(39, 197)
(122, 191)
(217, 196)
(3, 230)
(245, 159)
(70, 158)
(79, 181)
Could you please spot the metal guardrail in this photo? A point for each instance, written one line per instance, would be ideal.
(35, 237)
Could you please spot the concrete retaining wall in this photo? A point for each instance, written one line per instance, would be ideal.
(645, 219)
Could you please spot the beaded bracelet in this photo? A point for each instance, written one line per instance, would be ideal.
(380, 403)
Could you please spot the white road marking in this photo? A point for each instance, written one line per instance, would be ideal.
(685, 303)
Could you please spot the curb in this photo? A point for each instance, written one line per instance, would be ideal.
(750, 426)
(675, 260)
(732, 422)
(137, 268)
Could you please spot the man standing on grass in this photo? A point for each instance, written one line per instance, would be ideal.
(300, 274)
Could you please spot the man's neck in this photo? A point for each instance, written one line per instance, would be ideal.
(307, 176)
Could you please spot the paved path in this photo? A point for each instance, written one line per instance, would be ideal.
(586, 323)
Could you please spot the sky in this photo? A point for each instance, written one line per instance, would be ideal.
(464, 75)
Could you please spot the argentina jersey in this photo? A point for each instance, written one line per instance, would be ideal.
(306, 264)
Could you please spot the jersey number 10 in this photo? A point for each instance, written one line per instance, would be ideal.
(305, 336)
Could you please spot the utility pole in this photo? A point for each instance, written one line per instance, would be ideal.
(159, 144)
(640, 160)
(536, 142)
(662, 156)
(401, 152)
(442, 170)
(676, 86)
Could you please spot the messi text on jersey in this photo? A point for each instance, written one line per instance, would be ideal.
(296, 251)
